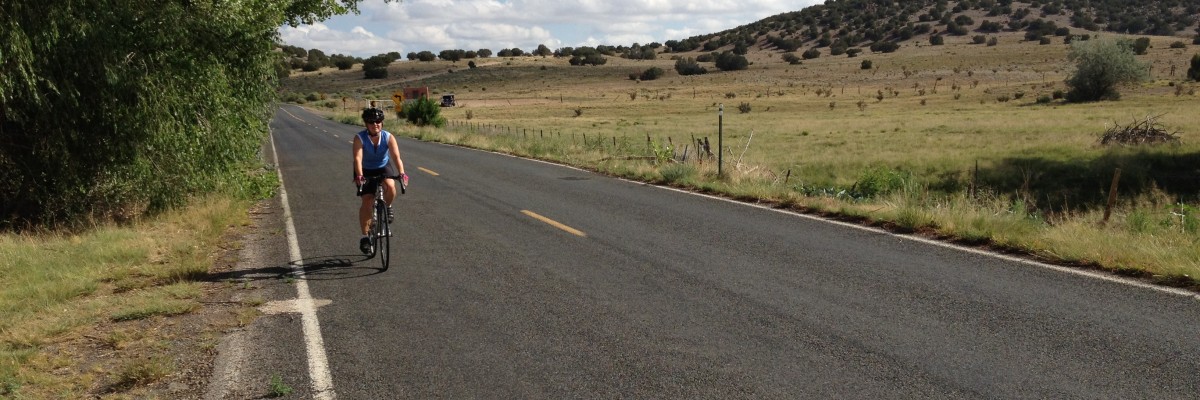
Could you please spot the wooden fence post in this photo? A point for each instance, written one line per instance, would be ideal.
(1112, 196)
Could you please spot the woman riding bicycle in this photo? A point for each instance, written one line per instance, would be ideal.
(374, 150)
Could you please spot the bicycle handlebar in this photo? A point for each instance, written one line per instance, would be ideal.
(379, 178)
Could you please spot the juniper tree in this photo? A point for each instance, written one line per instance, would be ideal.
(1100, 66)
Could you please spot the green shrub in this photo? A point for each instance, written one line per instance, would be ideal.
(424, 112)
(678, 173)
(811, 54)
(1101, 65)
(652, 73)
(1140, 45)
(876, 181)
(728, 61)
(688, 66)
(292, 97)
(1194, 71)
(105, 118)
(885, 47)
(866, 64)
(376, 67)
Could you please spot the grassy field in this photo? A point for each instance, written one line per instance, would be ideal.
(101, 313)
(948, 140)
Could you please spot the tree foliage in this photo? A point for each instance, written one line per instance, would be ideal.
(452, 55)
(651, 73)
(728, 61)
(1100, 66)
(587, 56)
(110, 109)
(689, 66)
(1194, 70)
(376, 67)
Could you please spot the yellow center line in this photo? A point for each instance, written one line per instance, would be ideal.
(428, 171)
(554, 223)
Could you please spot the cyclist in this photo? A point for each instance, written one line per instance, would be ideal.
(374, 150)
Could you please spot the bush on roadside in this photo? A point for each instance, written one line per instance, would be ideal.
(424, 112)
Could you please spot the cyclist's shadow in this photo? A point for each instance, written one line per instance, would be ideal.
(313, 268)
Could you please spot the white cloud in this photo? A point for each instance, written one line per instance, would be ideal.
(434, 25)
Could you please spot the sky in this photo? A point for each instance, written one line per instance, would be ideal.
(436, 25)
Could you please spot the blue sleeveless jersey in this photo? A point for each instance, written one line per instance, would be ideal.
(374, 157)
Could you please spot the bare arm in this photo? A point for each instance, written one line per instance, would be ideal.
(358, 156)
(394, 152)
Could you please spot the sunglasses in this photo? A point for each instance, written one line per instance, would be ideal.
(376, 121)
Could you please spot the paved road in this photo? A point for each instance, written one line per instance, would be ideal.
(673, 295)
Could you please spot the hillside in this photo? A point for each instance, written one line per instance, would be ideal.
(851, 26)
(852, 23)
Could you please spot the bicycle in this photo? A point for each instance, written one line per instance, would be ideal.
(381, 226)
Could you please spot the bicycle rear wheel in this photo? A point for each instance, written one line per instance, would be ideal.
(382, 234)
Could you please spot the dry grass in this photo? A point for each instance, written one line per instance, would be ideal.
(57, 289)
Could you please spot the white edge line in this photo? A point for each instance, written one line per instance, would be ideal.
(318, 363)
(1074, 271)
(1068, 270)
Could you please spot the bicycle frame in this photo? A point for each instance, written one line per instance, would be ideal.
(380, 229)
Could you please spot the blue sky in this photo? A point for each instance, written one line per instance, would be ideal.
(435, 25)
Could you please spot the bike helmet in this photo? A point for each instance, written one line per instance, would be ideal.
(372, 114)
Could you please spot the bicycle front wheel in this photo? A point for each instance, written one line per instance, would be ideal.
(382, 235)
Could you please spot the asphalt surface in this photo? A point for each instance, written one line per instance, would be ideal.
(674, 295)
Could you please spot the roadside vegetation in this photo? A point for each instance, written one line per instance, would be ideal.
(83, 314)
(963, 141)
(129, 145)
